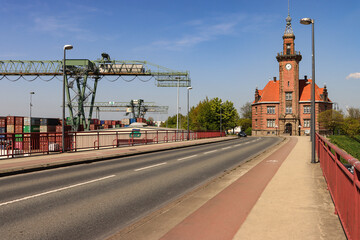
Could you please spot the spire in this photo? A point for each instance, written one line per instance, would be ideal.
(288, 29)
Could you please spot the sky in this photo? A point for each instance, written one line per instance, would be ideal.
(229, 47)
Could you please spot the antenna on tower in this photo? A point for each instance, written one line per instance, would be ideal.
(288, 7)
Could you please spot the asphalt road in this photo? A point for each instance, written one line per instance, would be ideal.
(95, 200)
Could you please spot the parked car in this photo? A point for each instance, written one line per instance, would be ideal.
(242, 134)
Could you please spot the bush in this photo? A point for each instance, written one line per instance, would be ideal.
(348, 144)
(248, 131)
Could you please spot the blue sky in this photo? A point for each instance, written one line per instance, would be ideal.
(229, 47)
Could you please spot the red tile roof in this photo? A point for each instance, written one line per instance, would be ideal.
(270, 93)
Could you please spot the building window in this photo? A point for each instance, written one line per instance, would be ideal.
(288, 110)
(307, 123)
(288, 96)
(307, 109)
(256, 123)
(271, 110)
(270, 123)
(288, 49)
(255, 110)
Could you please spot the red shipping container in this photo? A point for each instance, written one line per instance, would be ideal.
(10, 120)
(19, 128)
(3, 122)
(19, 121)
(19, 145)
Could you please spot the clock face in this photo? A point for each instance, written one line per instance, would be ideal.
(288, 66)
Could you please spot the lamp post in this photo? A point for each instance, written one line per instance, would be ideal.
(188, 129)
(308, 21)
(220, 121)
(31, 93)
(66, 47)
(177, 104)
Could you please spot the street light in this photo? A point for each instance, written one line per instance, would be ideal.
(188, 129)
(66, 47)
(220, 121)
(31, 93)
(308, 21)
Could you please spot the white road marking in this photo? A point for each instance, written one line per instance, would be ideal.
(272, 161)
(180, 159)
(237, 145)
(226, 148)
(210, 152)
(54, 191)
(155, 165)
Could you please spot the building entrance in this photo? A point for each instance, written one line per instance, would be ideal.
(288, 128)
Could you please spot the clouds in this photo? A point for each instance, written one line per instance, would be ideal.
(353, 75)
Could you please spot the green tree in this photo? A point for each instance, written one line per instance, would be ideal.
(245, 123)
(331, 119)
(353, 113)
(351, 127)
(246, 111)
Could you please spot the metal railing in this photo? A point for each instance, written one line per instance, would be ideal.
(342, 174)
(26, 144)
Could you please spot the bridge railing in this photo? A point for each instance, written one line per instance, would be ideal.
(27, 144)
(342, 174)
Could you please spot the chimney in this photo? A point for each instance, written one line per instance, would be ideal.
(305, 77)
(274, 79)
(257, 96)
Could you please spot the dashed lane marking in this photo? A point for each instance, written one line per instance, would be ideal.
(55, 190)
(210, 152)
(180, 159)
(225, 148)
(152, 166)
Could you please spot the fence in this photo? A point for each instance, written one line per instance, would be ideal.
(342, 174)
(26, 144)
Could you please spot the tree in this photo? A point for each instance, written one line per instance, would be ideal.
(245, 123)
(353, 113)
(245, 110)
(351, 127)
(331, 119)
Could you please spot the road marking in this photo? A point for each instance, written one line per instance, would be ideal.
(180, 159)
(155, 165)
(210, 152)
(56, 190)
(226, 148)
(272, 161)
(237, 145)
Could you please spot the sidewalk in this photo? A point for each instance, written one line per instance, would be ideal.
(278, 195)
(10, 166)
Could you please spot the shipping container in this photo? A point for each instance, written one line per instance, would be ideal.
(34, 121)
(10, 128)
(19, 145)
(59, 128)
(19, 121)
(125, 121)
(18, 137)
(102, 122)
(47, 129)
(49, 121)
(2, 129)
(3, 122)
(132, 120)
(34, 128)
(10, 120)
(19, 128)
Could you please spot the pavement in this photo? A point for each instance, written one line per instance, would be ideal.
(278, 194)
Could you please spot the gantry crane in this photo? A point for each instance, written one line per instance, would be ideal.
(78, 73)
(138, 108)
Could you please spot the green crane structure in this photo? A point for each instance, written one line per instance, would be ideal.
(78, 73)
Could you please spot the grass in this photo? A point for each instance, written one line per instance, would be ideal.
(350, 145)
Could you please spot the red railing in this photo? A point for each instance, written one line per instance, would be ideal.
(25, 144)
(342, 174)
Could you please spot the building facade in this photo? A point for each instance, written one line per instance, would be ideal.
(283, 106)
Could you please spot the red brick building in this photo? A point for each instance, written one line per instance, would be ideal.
(283, 106)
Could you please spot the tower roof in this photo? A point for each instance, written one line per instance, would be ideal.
(288, 28)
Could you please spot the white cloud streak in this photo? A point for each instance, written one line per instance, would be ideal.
(353, 75)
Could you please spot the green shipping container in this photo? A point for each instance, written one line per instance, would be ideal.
(18, 137)
(35, 128)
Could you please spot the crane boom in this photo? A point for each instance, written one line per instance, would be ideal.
(77, 71)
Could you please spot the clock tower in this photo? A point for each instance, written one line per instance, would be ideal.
(289, 114)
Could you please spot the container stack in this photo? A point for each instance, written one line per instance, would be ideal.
(2, 127)
(31, 141)
(48, 124)
(35, 125)
(126, 122)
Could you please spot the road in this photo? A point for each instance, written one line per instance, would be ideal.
(94, 200)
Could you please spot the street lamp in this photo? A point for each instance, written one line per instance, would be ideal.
(31, 93)
(188, 129)
(220, 121)
(308, 21)
(66, 47)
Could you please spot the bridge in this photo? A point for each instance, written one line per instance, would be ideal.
(278, 194)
